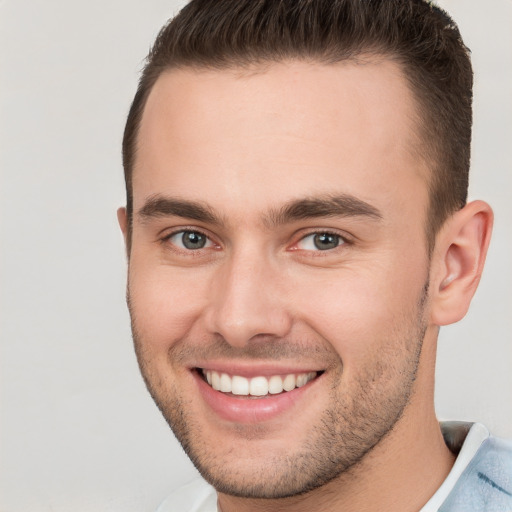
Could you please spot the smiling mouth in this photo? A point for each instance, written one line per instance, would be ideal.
(256, 387)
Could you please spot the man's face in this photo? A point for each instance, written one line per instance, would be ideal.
(278, 252)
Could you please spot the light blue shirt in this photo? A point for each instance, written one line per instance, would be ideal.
(485, 485)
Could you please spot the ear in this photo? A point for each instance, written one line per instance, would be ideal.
(458, 261)
(122, 218)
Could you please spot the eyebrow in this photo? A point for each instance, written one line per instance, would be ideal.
(159, 206)
(344, 205)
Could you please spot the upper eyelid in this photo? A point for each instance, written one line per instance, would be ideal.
(346, 237)
(165, 234)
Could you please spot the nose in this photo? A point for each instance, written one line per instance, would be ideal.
(248, 300)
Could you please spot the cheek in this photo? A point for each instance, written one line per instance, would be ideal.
(360, 312)
(164, 304)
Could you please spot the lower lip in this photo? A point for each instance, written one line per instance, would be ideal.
(250, 409)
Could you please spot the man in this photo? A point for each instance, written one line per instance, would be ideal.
(297, 232)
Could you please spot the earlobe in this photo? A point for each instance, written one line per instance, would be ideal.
(458, 261)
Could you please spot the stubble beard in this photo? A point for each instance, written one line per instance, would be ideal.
(356, 421)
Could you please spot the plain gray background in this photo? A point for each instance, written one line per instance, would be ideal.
(78, 430)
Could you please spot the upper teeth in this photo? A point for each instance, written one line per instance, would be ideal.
(257, 386)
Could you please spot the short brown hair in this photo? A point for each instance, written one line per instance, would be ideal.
(421, 37)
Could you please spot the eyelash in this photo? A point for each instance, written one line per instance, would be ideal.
(343, 240)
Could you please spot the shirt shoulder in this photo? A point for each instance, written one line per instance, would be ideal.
(486, 483)
(197, 496)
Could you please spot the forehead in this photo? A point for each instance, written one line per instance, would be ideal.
(245, 137)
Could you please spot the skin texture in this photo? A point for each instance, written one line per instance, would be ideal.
(260, 297)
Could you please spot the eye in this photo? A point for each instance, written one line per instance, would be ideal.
(320, 242)
(190, 240)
